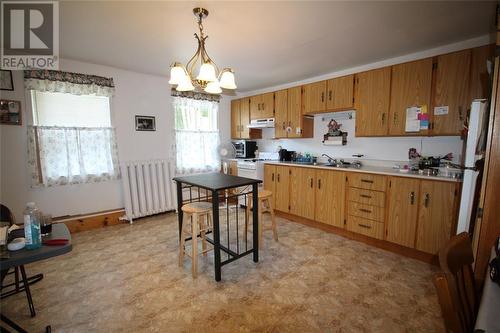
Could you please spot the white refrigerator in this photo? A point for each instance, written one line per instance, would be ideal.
(474, 151)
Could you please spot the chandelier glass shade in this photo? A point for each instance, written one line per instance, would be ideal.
(209, 78)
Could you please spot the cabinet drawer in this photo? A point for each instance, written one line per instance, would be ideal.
(367, 197)
(367, 181)
(365, 227)
(366, 211)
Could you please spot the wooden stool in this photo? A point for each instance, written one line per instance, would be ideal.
(197, 220)
(265, 200)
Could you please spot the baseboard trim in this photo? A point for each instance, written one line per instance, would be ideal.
(91, 221)
(381, 244)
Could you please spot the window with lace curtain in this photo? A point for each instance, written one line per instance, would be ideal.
(196, 135)
(71, 140)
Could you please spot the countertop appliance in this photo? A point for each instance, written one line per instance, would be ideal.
(261, 123)
(285, 155)
(245, 148)
(474, 151)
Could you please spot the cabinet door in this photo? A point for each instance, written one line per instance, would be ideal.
(314, 97)
(340, 93)
(330, 194)
(235, 118)
(479, 78)
(281, 114)
(270, 180)
(295, 112)
(267, 105)
(302, 187)
(437, 215)
(411, 86)
(403, 210)
(282, 193)
(255, 107)
(451, 90)
(373, 89)
(244, 118)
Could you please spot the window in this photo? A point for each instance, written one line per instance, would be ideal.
(196, 135)
(71, 139)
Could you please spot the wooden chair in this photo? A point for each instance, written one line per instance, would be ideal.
(265, 199)
(197, 221)
(456, 286)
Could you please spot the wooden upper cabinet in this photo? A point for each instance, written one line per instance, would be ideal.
(340, 93)
(255, 107)
(314, 95)
(295, 118)
(402, 211)
(281, 113)
(373, 89)
(452, 72)
(267, 106)
(235, 119)
(411, 86)
(480, 79)
(245, 118)
(330, 196)
(437, 215)
(282, 186)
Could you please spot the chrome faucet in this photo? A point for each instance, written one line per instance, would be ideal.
(331, 160)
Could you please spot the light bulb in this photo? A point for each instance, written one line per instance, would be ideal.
(185, 84)
(213, 87)
(207, 73)
(176, 74)
(227, 79)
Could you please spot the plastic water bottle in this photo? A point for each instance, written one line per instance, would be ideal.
(32, 227)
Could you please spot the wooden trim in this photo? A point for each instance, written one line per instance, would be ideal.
(90, 221)
(381, 244)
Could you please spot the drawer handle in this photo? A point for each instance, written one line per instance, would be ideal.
(365, 210)
(412, 198)
(319, 183)
(278, 177)
(364, 226)
(311, 182)
(367, 181)
(272, 177)
(365, 196)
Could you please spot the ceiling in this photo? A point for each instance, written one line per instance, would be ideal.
(266, 43)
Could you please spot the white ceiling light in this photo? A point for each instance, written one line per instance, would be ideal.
(208, 74)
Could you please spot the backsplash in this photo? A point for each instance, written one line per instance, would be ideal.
(376, 151)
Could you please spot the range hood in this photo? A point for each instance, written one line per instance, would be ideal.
(261, 123)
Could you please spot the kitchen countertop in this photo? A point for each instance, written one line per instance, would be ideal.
(387, 171)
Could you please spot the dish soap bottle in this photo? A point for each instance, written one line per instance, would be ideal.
(32, 227)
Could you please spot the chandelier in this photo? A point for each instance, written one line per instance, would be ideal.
(209, 79)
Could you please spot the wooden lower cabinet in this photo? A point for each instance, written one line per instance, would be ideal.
(414, 213)
(437, 215)
(330, 194)
(282, 188)
(302, 187)
(365, 227)
(402, 210)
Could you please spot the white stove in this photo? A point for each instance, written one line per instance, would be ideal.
(254, 167)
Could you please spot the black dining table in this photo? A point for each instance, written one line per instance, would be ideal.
(24, 256)
(218, 184)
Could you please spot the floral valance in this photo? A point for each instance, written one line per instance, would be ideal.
(196, 95)
(67, 82)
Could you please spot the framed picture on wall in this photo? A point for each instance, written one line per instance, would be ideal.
(6, 82)
(10, 112)
(145, 123)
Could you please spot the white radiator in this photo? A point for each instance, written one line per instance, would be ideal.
(148, 188)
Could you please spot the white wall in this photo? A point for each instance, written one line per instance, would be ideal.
(384, 150)
(136, 94)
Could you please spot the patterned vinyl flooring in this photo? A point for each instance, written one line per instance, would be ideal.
(126, 278)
